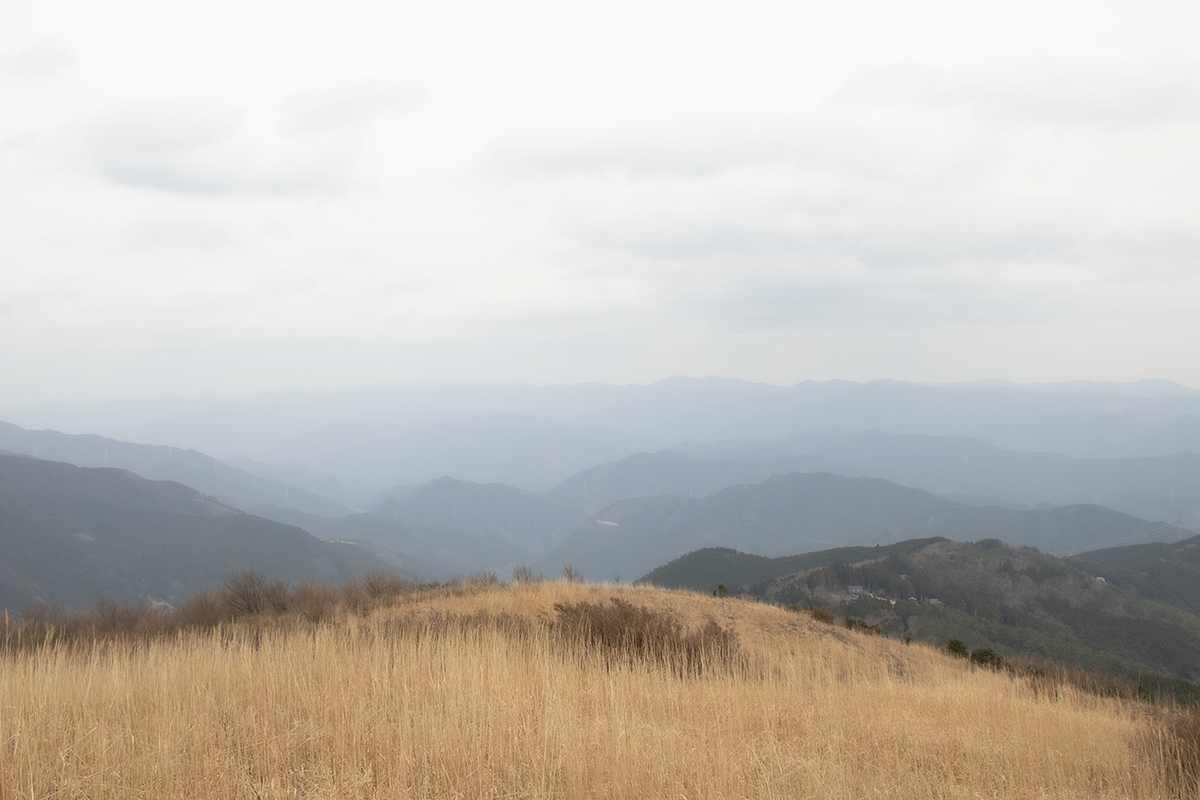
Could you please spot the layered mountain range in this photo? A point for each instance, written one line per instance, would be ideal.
(438, 480)
(534, 437)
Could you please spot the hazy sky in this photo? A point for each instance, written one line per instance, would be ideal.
(235, 196)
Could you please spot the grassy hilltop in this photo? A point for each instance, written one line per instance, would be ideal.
(544, 690)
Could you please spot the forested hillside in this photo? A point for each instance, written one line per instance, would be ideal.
(73, 536)
(1013, 599)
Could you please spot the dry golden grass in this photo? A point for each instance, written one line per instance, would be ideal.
(474, 694)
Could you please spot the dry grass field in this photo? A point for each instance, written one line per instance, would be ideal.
(489, 691)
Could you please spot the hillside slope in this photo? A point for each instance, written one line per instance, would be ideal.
(1162, 571)
(989, 594)
(703, 570)
(495, 692)
(528, 523)
(72, 535)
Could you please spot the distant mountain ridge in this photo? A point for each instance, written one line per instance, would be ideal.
(350, 494)
(670, 472)
(535, 437)
(450, 527)
(534, 520)
(73, 535)
(607, 496)
(797, 513)
(960, 469)
(162, 463)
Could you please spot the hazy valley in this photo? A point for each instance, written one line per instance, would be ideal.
(459, 478)
(1050, 528)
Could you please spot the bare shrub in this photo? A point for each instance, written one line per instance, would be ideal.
(245, 592)
(522, 574)
(108, 618)
(45, 625)
(37, 623)
(111, 619)
(203, 610)
(1045, 676)
(572, 575)
(483, 580)
(623, 632)
(314, 602)
(385, 585)
(355, 597)
(276, 596)
(857, 624)
(821, 614)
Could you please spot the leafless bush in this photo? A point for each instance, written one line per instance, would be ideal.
(203, 610)
(385, 585)
(522, 574)
(42, 625)
(572, 575)
(821, 614)
(276, 596)
(355, 597)
(621, 631)
(246, 593)
(483, 580)
(112, 619)
(1046, 676)
(314, 602)
(37, 624)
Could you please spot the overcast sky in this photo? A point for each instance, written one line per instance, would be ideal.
(234, 196)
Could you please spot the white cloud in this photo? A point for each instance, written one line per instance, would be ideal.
(348, 106)
(190, 149)
(665, 187)
(1047, 91)
(43, 60)
(181, 234)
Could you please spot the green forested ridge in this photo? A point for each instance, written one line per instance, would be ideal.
(1016, 600)
(1165, 571)
(704, 569)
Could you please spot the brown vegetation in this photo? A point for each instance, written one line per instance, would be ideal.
(625, 633)
(382, 689)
